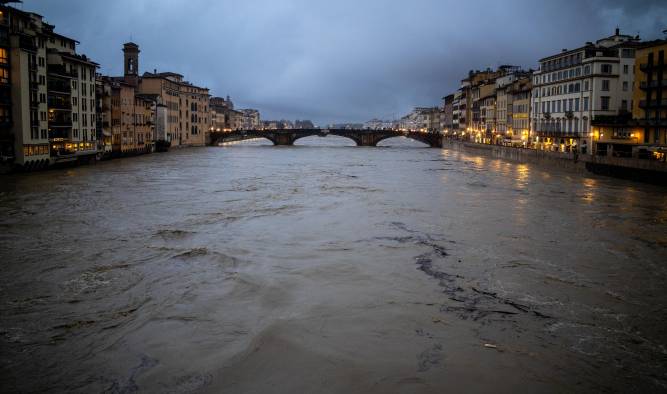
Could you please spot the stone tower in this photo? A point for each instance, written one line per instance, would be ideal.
(131, 52)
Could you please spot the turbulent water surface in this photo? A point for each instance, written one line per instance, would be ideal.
(308, 269)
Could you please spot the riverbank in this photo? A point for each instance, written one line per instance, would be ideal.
(625, 168)
(12, 168)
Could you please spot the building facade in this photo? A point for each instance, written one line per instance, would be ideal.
(47, 94)
(251, 119)
(183, 105)
(573, 87)
(447, 121)
(519, 132)
(642, 133)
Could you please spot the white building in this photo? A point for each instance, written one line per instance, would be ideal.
(574, 86)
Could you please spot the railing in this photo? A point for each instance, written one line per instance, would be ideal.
(652, 84)
(60, 104)
(59, 86)
(60, 122)
(650, 66)
(60, 70)
(59, 133)
(652, 103)
(558, 133)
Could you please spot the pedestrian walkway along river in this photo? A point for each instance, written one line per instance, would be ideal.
(252, 268)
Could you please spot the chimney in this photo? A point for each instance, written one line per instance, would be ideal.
(618, 31)
(155, 71)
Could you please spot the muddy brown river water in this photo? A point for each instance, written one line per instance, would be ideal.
(333, 269)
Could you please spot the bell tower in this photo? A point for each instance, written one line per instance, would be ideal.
(131, 54)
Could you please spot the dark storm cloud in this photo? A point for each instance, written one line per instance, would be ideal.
(344, 60)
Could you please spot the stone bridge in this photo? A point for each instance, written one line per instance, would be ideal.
(362, 137)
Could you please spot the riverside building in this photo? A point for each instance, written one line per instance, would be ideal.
(47, 94)
(573, 87)
(642, 135)
(154, 107)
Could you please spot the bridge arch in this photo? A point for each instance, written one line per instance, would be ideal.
(410, 137)
(325, 135)
(237, 137)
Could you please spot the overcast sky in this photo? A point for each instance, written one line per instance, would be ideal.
(338, 60)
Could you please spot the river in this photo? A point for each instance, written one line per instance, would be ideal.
(326, 268)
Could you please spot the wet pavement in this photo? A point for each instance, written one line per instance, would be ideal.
(327, 268)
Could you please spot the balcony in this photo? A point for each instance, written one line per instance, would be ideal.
(27, 43)
(558, 134)
(60, 120)
(644, 85)
(622, 119)
(59, 133)
(58, 103)
(650, 66)
(61, 87)
(652, 103)
(58, 70)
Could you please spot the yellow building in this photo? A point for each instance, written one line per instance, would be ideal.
(520, 114)
(643, 133)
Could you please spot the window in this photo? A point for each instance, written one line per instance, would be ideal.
(42, 80)
(74, 85)
(585, 103)
(606, 68)
(576, 104)
(587, 70)
(625, 86)
(3, 56)
(604, 103)
(605, 85)
(585, 86)
(625, 69)
(624, 105)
